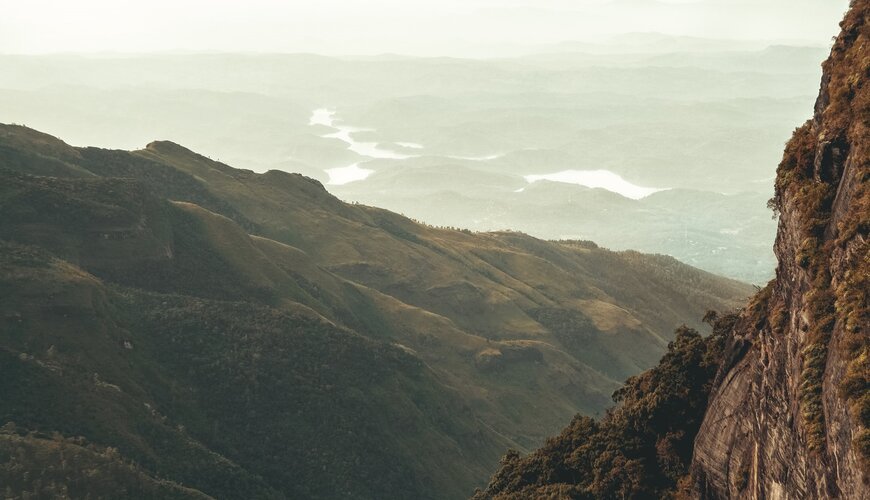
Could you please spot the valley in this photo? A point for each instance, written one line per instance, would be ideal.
(702, 118)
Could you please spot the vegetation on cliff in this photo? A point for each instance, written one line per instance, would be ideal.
(642, 448)
(822, 186)
(812, 319)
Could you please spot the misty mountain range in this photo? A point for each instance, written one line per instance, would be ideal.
(702, 124)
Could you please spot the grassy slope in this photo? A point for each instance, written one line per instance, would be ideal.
(499, 277)
(231, 398)
(58, 467)
(518, 332)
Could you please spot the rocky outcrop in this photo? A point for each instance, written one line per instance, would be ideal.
(788, 416)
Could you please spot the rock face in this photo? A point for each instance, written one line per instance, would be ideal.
(788, 416)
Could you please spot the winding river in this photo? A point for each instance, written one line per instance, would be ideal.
(604, 179)
(353, 172)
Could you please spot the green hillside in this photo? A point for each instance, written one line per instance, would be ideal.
(249, 335)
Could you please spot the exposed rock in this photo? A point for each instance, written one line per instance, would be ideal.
(785, 420)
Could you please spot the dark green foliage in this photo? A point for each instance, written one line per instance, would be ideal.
(573, 328)
(34, 466)
(331, 429)
(579, 335)
(820, 302)
(196, 267)
(89, 222)
(161, 179)
(640, 449)
(233, 399)
(394, 224)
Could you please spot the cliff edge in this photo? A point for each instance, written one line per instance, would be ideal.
(789, 413)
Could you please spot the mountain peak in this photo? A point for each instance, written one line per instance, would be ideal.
(164, 146)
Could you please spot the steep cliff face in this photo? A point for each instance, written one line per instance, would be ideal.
(777, 399)
(788, 416)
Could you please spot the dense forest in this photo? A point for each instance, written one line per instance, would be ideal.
(642, 448)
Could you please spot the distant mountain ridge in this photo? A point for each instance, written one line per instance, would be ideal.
(712, 120)
(249, 335)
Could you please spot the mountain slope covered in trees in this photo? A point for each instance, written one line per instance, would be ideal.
(205, 330)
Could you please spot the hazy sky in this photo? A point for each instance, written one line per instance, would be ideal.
(431, 27)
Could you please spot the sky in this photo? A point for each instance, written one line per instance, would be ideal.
(414, 27)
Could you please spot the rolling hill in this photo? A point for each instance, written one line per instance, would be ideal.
(213, 331)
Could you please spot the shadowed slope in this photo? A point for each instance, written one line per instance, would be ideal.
(233, 284)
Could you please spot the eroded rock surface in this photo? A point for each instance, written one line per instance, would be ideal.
(788, 417)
